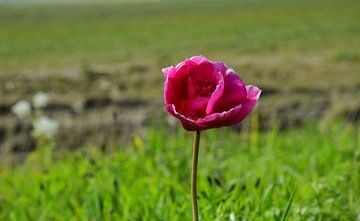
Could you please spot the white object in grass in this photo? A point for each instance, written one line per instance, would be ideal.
(22, 109)
(40, 100)
(46, 127)
(232, 216)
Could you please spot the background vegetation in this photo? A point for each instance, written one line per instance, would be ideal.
(59, 34)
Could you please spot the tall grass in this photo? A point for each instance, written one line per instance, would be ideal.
(150, 179)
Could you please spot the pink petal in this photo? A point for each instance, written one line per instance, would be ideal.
(221, 66)
(218, 119)
(169, 71)
(191, 88)
(175, 89)
(204, 71)
(234, 115)
(187, 123)
(234, 93)
(253, 93)
(169, 93)
(183, 69)
(227, 118)
(173, 93)
(239, 113)
(216, 95)
(195, 108)
(198, 59)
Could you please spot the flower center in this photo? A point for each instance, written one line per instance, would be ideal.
(204, 88)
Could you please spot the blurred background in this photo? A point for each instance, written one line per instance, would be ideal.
(89, 72)
(99, 62)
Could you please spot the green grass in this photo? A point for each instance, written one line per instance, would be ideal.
(55, 35)
(251, 175)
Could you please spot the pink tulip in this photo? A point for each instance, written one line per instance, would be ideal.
(204, 94)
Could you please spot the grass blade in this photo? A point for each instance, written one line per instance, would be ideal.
(283, 218)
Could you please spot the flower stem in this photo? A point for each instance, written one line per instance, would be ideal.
(194, 174)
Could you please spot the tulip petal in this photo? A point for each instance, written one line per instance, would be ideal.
(195, 108)
(216, 95)
(169, 71)
(191, 89)
(219, 119)
(183, 69)
(176, 82)
(234, 115)
(253, 92)
(198, 59)
(221, 67)
(239, 113)
(171, 93)
(204, 70)
(234, 93)
(227, 118)
(187, 123)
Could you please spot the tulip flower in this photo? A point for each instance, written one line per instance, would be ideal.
(204, 94)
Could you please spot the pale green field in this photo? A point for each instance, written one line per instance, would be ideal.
(59, 35)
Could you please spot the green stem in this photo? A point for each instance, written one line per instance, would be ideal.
(194, 174)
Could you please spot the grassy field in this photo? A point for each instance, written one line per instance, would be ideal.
(251, 176)
(44, 35)
(309, 48)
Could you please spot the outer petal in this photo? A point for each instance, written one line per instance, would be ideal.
(225, 118)
(239, 114)
(169, 71)
(175, 88)
(169, 91)
(234, 93)
(183, 69)
(234, 115)
(198, 59)
(203, 69)
(216, 95)
(253, 93)
(187, 123)
(221, 67)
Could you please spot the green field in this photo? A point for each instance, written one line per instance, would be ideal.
(58, 35)
(251, 175)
